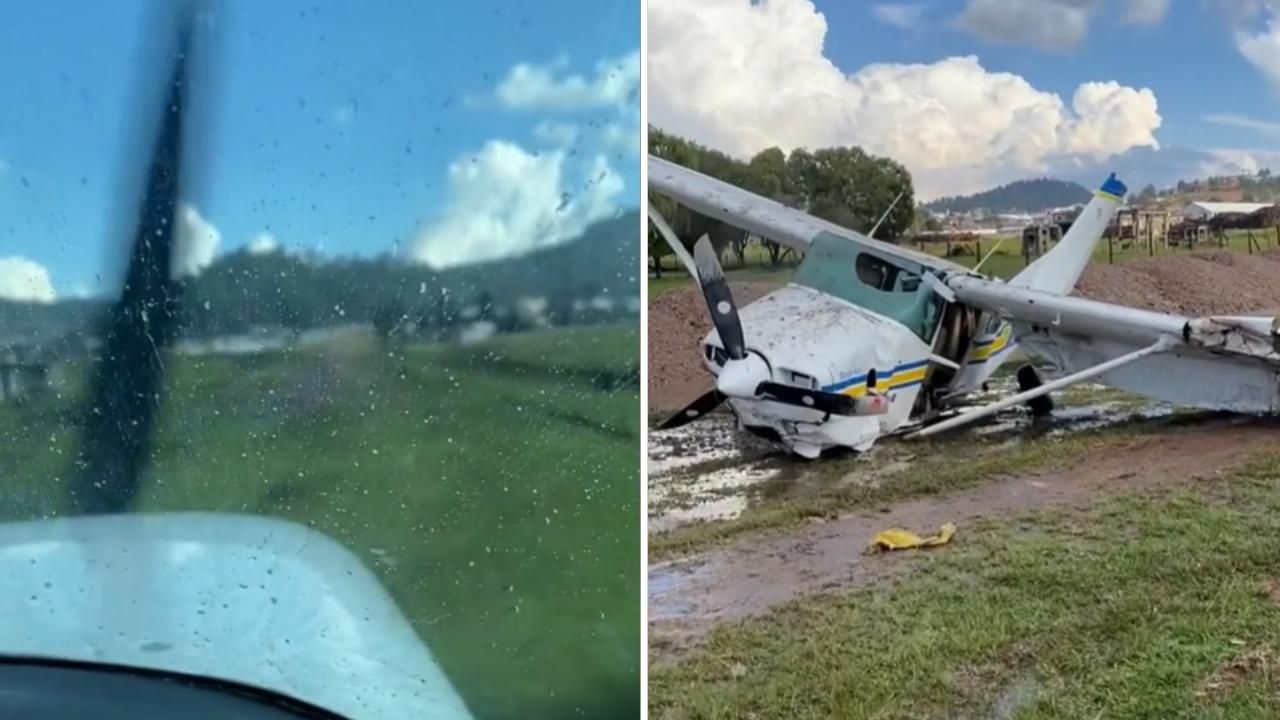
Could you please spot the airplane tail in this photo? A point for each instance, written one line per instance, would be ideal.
(1058, 270)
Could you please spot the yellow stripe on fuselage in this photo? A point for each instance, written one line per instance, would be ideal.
(985, 350)
(900, 378)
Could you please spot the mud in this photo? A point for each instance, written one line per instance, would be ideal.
(689, 596)
(708, 470)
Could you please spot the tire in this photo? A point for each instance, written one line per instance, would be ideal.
(1029, 379)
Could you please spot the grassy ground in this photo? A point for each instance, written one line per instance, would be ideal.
(1005, 262)
(495, 489)
(1152, 605)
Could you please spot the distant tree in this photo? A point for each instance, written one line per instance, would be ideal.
(1146, 196)
(560, 307)
(485, 303)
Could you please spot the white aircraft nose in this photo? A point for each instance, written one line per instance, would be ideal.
(739, 378)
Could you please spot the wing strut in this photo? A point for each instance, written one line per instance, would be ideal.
(1164, 343)
(669, 235)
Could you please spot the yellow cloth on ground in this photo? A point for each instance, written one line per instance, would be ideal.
(900, 539)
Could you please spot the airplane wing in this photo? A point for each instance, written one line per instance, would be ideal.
(1219, 346)
(762, 216)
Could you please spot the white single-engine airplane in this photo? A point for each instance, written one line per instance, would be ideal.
(871, 339)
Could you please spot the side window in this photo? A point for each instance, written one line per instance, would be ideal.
(875, 272)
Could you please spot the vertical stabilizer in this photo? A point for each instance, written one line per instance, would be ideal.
(1058, 270)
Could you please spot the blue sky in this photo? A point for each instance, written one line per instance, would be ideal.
(970, 93)
(446, 132)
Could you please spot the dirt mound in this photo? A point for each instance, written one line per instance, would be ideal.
(678, 321)
(1198, 283)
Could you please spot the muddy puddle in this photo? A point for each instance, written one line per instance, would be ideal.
(709, 471)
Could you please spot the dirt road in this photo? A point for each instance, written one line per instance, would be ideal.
(687, 597)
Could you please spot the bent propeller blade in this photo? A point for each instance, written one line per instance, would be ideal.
(705, 403)
(832, 403)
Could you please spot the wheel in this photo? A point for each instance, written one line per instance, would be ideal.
(1029, 379)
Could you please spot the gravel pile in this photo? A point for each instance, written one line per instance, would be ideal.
(1201, 283)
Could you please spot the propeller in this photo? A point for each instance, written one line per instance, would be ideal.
(715, 289)
(705, 403)
(126, 384)
(744, 375)
(832, 403)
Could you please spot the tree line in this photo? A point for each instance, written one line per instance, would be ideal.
(243, 291)
(844, 185)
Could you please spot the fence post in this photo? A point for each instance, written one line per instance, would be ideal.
(1111, 250)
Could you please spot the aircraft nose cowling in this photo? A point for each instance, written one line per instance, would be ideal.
(740, 378)
(800, 330)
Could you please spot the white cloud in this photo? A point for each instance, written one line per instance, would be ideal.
(742, 76)
(1262, 48)
(1266, 127)
(1048, 24)
(25, 281)
(1146, 12)
(901, 15)
(555, 133)
(621, 137)
(544, 87)
(196, 243)
(263, 243)
(1238, 161)
(505, 201)
(1053, 25)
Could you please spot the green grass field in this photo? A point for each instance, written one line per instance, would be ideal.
(1004, 263)
(501, 480)
(1156, 604)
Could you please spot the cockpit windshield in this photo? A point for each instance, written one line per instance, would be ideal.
(875, 281)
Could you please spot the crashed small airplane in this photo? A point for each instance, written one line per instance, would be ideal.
(871, 339)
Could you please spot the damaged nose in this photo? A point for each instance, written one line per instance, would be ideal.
(740, 378)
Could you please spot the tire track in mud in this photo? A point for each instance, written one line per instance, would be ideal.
(690, 596)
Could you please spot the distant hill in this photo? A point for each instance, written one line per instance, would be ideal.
(1028, 196)
(241, 290)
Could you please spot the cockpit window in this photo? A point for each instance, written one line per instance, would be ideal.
(875, 272)
(882, 284)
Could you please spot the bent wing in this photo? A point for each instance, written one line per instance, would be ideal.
(761, 216)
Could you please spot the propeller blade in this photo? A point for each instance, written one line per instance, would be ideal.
(126, 383)
(704, 404)
(803, 397)
(715, 288)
